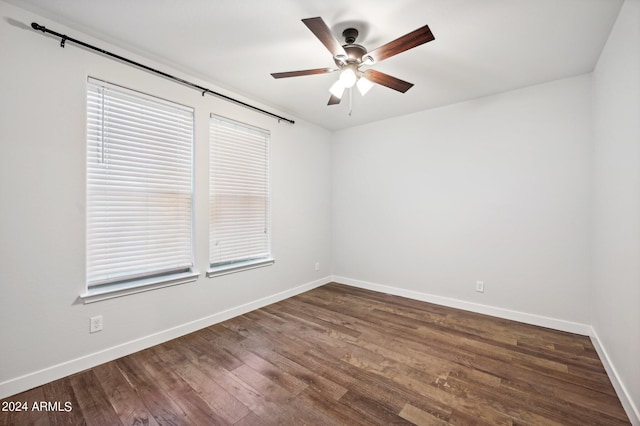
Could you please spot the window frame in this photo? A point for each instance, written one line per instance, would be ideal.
(237, 265)
(184, 271)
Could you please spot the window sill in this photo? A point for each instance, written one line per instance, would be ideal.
(123, 289)
(232, 268)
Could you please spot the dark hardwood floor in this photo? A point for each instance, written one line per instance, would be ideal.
(338, 355)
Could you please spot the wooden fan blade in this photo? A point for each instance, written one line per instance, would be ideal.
(324, 34)
(303, 72)
(408, 41)
(387, 80)
(334, 100)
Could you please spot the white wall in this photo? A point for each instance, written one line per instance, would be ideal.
(616, 288)
(42, 212)
(496, 189)
(507, 189)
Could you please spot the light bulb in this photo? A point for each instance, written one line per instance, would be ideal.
(337, 89)
(348, 77)
(364, 85)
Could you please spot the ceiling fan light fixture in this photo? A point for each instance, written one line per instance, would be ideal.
(337, 89)
(348, 77)
(364, 85)
(350, 57)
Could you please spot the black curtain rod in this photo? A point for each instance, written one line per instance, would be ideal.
(64, 38)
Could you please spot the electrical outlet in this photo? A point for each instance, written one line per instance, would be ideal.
(317, 266)
(480, 286)
(95, 324)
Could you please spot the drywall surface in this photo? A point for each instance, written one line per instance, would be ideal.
(496, 189)
(616, 286)
(42, 206)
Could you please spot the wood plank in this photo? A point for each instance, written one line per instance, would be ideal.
(338, 413)
(196, 376)
(419, 417)
(26, 409)
(122, 397)
(92, 401)
(250, 420)
(194, 404)
(298, 412)
(311, 380)
(163, 409)
(372, 410)
(62, 391)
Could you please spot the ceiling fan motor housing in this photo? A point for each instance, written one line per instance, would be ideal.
(355, 52)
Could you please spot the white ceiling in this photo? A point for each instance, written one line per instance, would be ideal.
(481, 47)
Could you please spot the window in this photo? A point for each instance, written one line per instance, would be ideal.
(239, 196)
(139, 188)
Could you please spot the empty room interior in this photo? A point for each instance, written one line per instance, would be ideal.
(320, 212)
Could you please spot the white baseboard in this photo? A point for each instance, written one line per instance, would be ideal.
(632, 410)
(539, 320)
(55, 372)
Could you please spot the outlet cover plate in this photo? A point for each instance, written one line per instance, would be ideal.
(95, 324)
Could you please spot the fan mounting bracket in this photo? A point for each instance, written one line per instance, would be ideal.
(350, 35)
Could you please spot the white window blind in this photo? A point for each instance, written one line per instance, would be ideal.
(139, 185)
(239, 192)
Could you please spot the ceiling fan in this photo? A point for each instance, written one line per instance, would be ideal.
(349, 57)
